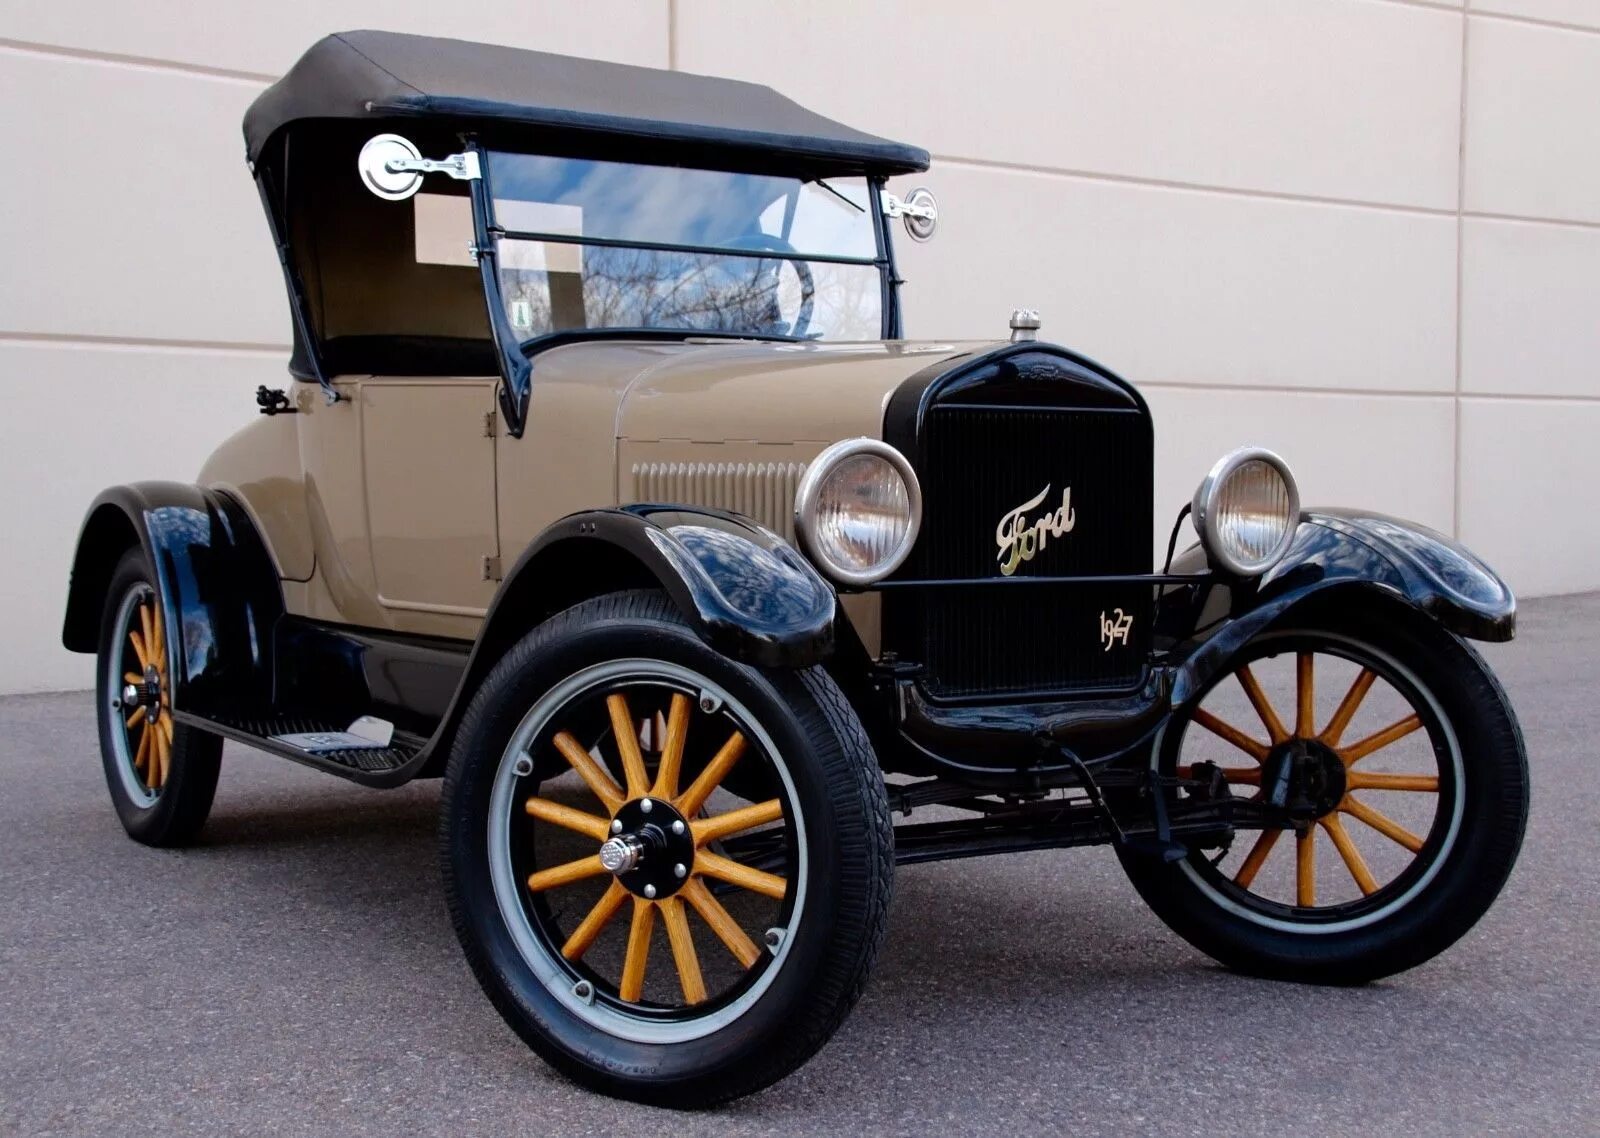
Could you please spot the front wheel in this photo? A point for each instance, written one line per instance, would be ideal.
(1396, 784)
(670, 872)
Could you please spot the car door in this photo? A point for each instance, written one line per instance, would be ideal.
(428, 459)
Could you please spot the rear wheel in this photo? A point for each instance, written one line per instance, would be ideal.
(1394, 773)
(162, 775)
(670, 872)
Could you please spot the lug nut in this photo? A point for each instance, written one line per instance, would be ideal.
(678, 827)
(645, 805)
(616, 825)
(650, 891)
(681, 870)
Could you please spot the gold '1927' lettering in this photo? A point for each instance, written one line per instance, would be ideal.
(1020, 539)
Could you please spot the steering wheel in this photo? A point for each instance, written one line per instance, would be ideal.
(767, 242)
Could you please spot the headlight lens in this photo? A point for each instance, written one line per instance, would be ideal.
(1246, 511)
(857, 510)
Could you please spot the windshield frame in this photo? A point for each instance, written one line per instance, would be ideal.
(517, 354)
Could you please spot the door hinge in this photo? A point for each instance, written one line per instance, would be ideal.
(490, 420)
(491, 568)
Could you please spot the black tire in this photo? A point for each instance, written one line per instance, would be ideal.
(832, 938)
(172, 813)
(1471, 860)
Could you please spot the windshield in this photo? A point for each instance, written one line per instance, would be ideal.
(586, 244)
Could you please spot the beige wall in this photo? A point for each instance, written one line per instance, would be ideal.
(1365, 232)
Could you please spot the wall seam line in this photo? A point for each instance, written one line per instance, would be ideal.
(150, 63)
(1461, 258)
(138, 343)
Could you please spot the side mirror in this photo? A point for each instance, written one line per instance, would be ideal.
(918, 209)
(392, 166)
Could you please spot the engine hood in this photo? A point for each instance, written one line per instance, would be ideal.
(774, 393)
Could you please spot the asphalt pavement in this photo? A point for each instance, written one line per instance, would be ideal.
(296, 973)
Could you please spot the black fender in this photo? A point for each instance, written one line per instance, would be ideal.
(217, 585)
(746, 591)
(1369, 556)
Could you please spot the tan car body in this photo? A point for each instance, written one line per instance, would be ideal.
(410, 496)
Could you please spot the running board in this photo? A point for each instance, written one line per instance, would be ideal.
(370, 766)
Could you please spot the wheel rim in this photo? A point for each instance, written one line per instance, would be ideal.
(1313, 876)
(139, 696)
(660, 733)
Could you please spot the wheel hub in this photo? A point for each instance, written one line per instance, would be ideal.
(146, 694)
(651, 850)
(1304, 778)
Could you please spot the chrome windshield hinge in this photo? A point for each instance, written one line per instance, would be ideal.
(491, 567)
(463, 167)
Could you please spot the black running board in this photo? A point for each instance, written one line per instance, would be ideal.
(370, 766)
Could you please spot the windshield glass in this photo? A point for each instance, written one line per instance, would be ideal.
(586, 244)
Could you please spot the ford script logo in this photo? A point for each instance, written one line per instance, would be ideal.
(1019, 539)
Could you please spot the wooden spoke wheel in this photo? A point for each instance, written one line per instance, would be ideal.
(1330, 739)
(1387, 790)
(670, 871)
(669, 847)
(162, 774)
(143, 696)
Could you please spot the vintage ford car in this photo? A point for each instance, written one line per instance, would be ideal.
(607, 489)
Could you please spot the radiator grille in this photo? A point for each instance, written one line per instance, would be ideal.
(763, 491)
(978, 463)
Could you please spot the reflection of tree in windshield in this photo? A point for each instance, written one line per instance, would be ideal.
(647, 288)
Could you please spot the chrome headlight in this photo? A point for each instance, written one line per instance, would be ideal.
(1246, 511)
(857, 510)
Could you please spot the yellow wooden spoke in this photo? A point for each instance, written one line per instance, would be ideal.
(142, 755)
(627, 735)
(736, 821)
(1263, 705)
(725, 869)
(163, 757)
(1255, 858)
(1352, 856)
(165, 723)
(721, 921)
(1305, 710)
(602, 784)
(633, 962)
(1256, 750)
(1380, 739)
(683, 954)
(584, 935)
(1382, 823)
(591, 825)
(690, 801)
(139, 651)
(671, 743)
(1348, 707)
(1373, 780)
(149, 635)
(136, 718)
(158, 636)
(566, 874)
(1305, 869)
(132, 678)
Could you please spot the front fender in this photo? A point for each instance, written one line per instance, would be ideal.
(1373, 558)
(746, 591)
(217, 587)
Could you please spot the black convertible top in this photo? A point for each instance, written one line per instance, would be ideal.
(388, 75)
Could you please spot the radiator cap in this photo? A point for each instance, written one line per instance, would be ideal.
(1024, 324)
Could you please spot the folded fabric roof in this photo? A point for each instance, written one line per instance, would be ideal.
(388, 75)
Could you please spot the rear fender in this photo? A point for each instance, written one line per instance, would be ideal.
(217, 588)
